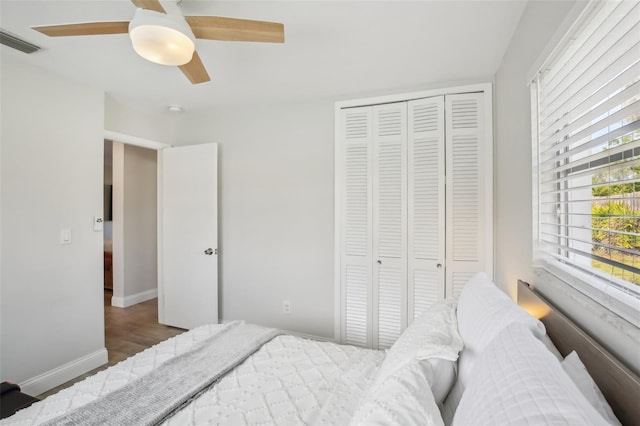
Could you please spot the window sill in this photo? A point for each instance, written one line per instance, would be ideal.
(607, 302)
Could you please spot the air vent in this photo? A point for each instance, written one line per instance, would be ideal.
(17, 43)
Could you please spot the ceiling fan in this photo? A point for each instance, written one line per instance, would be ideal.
(169, 39)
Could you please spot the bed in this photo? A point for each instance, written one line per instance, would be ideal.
(480, 359)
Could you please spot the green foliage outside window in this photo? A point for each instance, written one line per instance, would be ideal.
(615, 222)
(623, 220)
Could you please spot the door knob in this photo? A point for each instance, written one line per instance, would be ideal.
(439, 266)
(208, 251)
(379, 262)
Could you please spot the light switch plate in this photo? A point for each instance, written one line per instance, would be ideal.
(65, 236)
(98, 223)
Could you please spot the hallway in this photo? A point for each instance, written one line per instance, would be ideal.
(133, 329)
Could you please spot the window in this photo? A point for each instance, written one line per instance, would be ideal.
(586, 121)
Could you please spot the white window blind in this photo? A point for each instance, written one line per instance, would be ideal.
(587, 141)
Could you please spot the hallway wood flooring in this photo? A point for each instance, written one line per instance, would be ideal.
(127, 332)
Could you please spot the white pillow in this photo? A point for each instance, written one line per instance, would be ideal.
(433, 337)
(442, 378)
(517, 381)
(403, 398)
(583, 380)
(434, 334)
(483, 311)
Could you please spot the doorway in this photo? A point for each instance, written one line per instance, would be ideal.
(130, 227)
(107, 215)
(185, 231)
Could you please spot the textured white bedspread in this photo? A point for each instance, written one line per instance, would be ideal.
(290, 380)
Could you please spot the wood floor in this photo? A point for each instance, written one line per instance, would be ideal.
(127, 332)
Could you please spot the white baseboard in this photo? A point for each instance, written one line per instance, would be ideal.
(311, 336)
(125, 302)
(59, 375)
(293, 333)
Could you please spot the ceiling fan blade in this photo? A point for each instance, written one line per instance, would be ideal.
(194, 70)
(86, 28)
(231, 29)
(149, 4)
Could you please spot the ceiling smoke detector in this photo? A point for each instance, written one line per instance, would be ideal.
(175, 108)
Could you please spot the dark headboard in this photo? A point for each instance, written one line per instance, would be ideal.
(620, 386)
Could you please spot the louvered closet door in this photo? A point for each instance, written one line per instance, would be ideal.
(390, 222)
(468, 168)
(426, 204)
(356, 220)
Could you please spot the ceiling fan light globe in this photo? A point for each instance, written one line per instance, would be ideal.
(162, 45)
(161, 38)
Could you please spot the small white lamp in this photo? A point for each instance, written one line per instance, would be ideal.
(161, 38)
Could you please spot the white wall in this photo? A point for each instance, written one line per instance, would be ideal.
(140, 221)
(157, 126)
(513, 181)
(276, 211)
(135, 266)
(513, 160)
(51, 178)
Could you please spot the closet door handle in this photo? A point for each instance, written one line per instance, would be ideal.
(439, 266)
(208, 251)
(379, 262)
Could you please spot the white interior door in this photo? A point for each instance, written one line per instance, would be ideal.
(469, 181)
(188, 236)
(389, 222)
(354, 171)
(426, 148)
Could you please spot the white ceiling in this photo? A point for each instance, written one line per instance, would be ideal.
(332, 49)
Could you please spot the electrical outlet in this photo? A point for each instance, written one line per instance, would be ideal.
(286, 307)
